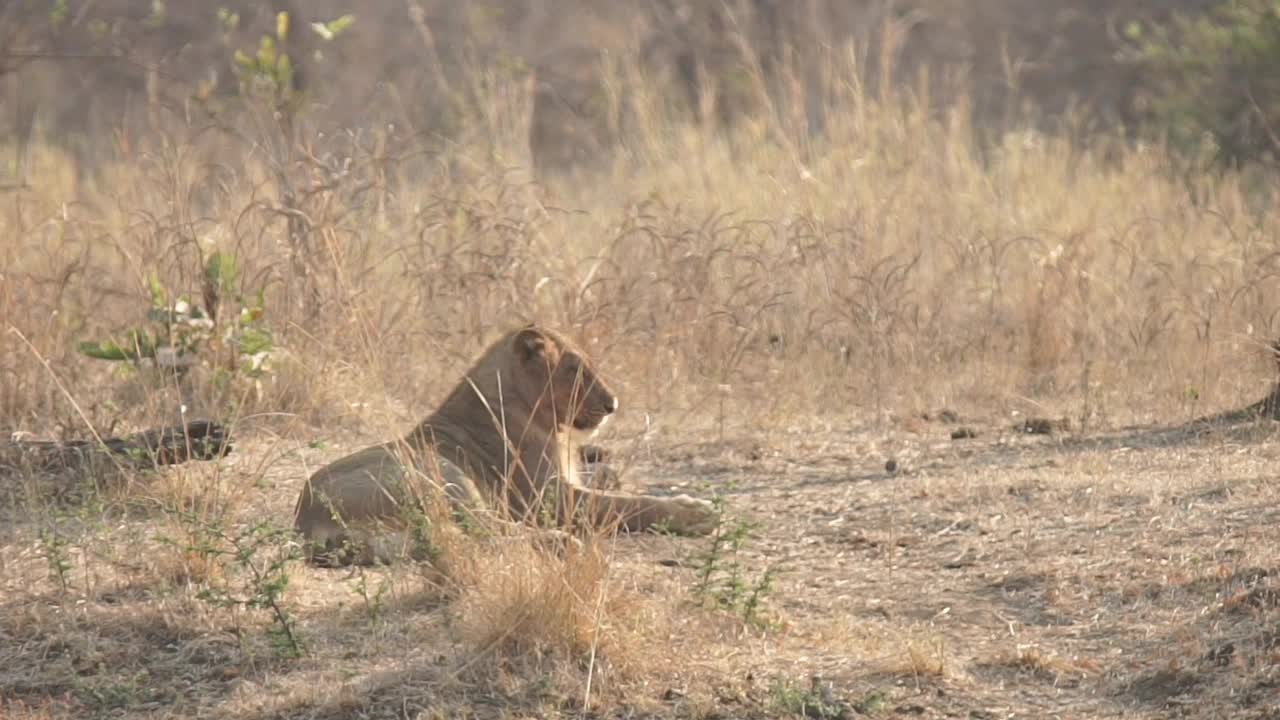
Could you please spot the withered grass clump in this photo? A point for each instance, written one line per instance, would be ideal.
(517, 600)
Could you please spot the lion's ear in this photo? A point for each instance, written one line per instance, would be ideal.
(530, 343)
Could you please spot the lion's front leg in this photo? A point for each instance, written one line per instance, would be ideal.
(681, 514)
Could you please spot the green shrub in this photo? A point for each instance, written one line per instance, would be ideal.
(224, 329)
(1213, 83)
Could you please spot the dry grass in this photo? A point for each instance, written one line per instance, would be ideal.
(892, 250)
(777, 309)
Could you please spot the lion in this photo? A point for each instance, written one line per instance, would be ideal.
(499, 443)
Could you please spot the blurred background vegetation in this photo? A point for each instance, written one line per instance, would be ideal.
(892, 200)
(95, 75)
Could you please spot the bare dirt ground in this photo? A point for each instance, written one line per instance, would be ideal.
(1018, 576)
(1127, 574)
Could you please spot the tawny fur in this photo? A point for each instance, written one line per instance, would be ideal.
(500, 441)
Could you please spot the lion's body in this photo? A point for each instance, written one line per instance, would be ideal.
(361, 501)
(500, 442)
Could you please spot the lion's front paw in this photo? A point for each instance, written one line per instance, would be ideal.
(557, 542)
(693, 516)
(600, 477)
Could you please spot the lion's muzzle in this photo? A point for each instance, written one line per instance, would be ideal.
(594, 414)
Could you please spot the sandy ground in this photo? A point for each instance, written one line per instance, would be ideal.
(1132, 574)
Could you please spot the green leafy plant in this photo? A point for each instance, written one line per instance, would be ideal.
(53, 545)
(270, 88)
(811, 701)
(330, 30)
(58, 12)
(261, 553)
(268, 73)
(1213, 79)
(723, 580)
(181, 333)
(372, 600)
(422, 547)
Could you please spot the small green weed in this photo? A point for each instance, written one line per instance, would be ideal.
(372, 602)
(53, 546)
(261, 552)
(812, 701)
(722, 579)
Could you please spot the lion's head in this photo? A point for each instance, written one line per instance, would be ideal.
(507, 423)
(555, 380)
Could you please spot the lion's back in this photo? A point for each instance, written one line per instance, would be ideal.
(366, 483)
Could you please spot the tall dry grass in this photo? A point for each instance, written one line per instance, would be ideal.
(887, 264)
